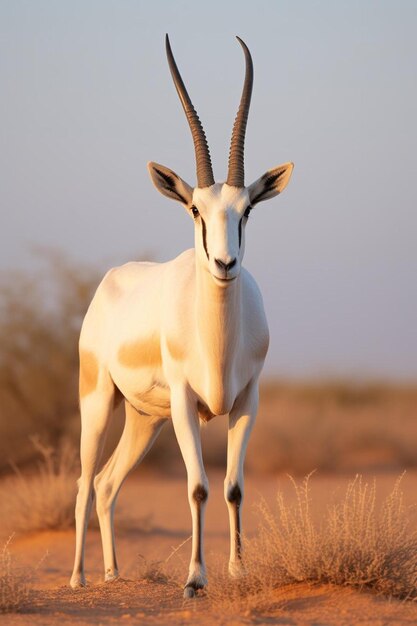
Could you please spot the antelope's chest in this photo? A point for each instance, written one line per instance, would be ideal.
(215, 388)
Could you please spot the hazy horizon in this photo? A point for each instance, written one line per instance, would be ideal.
(87, 100)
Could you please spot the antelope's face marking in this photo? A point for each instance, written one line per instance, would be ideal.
(220, 211)
(220, 214)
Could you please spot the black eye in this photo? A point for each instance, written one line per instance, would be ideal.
(248, 210)
(195, 211)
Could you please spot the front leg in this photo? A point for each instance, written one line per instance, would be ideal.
(187, 430)
(241, 420)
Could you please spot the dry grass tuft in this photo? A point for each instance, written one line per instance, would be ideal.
(14, 583)
(43, 500)
(41, 311)
(159, 571)
(152, 571)
(356, 544)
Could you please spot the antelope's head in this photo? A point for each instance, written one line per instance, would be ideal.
(220, 210)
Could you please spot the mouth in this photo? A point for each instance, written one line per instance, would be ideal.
(224, 281)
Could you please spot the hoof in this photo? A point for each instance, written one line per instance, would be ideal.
(189, 592)
(195, 582)
(77, 582)
(109, 577)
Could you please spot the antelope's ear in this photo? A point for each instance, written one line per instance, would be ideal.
(271, 183)
(169, 184)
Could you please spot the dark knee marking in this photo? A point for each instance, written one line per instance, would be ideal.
(234, 495)
(200, 495)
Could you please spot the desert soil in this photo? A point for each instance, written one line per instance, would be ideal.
(152, 521)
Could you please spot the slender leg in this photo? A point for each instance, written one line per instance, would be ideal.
(139, 434)
(187, 429)
(241, 420)
(96, 410)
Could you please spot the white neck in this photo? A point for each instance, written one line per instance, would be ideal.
(218, 311)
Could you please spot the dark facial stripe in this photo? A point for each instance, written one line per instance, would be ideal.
(205, 237)
(240, 231)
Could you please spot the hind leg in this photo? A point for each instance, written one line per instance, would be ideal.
(139, 434)
(96, 410)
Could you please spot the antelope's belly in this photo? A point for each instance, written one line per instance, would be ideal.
(154, 400)
(144, 388)
(149, 394)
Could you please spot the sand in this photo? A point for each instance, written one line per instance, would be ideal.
(152, 521)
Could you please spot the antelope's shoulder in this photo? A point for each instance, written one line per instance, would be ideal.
(119, 305)
(123, 279)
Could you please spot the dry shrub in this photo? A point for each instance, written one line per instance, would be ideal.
(14, 583)
(160, 571)
(44, 499)
(356, 544)
(41, 311)
(152, 571)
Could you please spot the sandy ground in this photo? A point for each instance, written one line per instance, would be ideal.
(152, 521)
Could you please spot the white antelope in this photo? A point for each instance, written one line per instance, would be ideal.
(185, 339)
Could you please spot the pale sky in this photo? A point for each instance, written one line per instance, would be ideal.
(87, 99)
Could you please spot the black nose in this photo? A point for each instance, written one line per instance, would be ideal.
(226, 266)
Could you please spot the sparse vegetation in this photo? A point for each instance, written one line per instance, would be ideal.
(356, 544)
(160, 571)
(40, 316)
(44, 499)
(14, 582)
(152, 571)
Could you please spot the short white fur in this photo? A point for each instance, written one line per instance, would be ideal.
(184, 340)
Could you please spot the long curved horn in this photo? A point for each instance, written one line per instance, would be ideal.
(236, 173)
(202, 154)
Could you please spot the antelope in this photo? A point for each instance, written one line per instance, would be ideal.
(184, 340)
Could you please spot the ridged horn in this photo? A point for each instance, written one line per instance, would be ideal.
(202, 154)
(236, 172)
